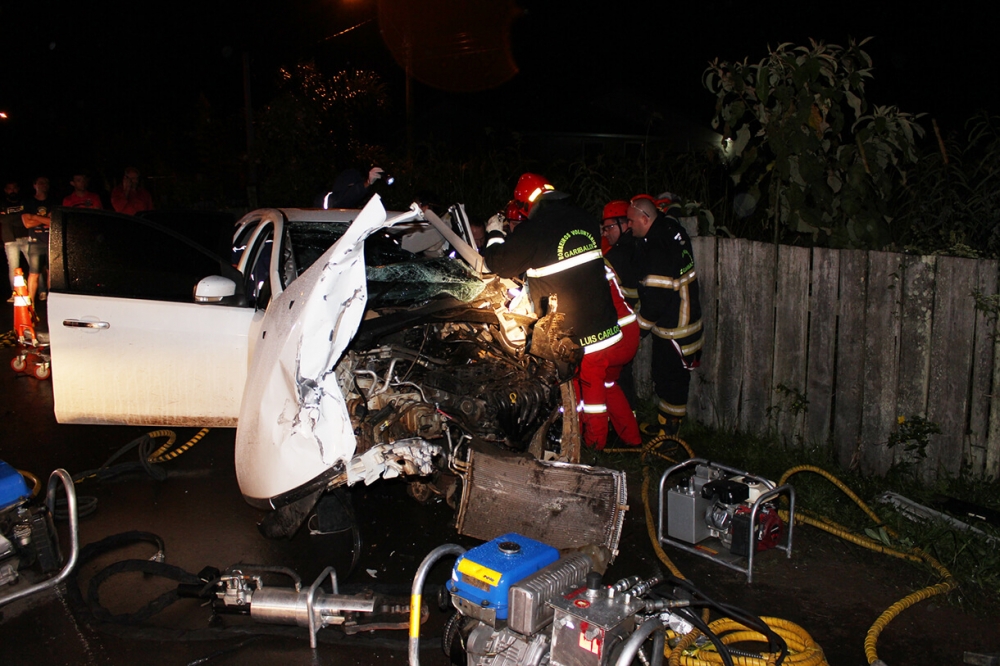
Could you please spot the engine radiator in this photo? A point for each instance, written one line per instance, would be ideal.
(563, 505)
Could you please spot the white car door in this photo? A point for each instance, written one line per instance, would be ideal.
(129, 344)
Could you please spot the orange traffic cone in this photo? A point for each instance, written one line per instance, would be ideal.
(24, 312)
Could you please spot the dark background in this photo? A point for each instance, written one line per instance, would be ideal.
(96, 86)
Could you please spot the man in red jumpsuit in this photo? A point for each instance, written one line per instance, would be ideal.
(557, 249)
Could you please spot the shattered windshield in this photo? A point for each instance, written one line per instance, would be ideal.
(396, 277)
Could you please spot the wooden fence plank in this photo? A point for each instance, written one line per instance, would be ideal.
(873, 353)
(822, 343)
(734, 282)
(642, 369)
(791, 326)
(849, 388)
(951, 357)
(982, 376)
(881, 360)
(915, 340)
(992, 469)
(705, 379)
(758, 327)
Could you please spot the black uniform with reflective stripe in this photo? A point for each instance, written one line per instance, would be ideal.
(668, 288)
(558, 232)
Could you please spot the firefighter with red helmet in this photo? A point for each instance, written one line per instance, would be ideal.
(619, 248)
(557, 248)
(670, 306)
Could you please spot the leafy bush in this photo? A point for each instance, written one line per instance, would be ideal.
(950, 204)
(811, 157)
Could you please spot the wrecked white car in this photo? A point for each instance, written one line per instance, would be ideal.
(366, 361)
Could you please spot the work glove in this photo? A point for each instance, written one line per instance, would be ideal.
(374, 174)
(495, 223)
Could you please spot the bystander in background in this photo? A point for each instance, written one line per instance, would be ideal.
(130, 197)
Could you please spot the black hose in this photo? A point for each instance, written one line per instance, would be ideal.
(130, 626)
(775, 642)
(698, 623)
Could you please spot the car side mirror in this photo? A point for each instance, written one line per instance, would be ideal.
(214, 289)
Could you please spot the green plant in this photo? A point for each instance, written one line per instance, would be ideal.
(802, 139)
(950, 203)
(913, 434)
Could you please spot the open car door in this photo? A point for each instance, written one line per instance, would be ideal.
(130, 345)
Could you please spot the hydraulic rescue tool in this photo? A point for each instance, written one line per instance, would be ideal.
(28, 540)
(519, 603)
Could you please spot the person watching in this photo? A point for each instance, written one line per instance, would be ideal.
(36, 219)
(15, 236)
(80, 197)
(130, 197)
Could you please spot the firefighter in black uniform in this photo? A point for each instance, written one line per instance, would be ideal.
(670, 307)
(557, 248)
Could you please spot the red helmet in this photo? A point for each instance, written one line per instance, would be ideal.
(666, 200)
(648, 197)
(615, 209)
(514, 211)
(530, 186)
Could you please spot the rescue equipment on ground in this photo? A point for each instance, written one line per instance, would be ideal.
(724, 514)
(513, 609)
(29, 545)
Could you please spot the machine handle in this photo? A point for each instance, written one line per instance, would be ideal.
(79, 323)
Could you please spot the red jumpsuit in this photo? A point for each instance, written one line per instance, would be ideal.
(597, 384)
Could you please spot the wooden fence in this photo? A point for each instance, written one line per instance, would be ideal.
(832, 347)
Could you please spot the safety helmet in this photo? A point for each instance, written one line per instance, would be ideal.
(648, 197)
(615, 209)
(529, 188)
(514, 212)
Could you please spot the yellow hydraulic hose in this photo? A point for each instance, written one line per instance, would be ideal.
(653, 448)
(802, 649)
(915, 554)
(160, 456)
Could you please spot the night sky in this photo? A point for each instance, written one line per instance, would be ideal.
(86, 83)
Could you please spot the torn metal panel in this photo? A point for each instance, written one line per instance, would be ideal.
(564, 505)
(293, 421)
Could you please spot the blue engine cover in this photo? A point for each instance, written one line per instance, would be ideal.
(485, 574)
(13, 489)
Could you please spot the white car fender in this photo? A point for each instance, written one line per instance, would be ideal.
(294, 424)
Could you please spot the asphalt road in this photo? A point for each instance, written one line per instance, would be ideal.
(200, 515)
(832, 589)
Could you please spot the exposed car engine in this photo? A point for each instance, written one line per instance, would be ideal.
(436, 378)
